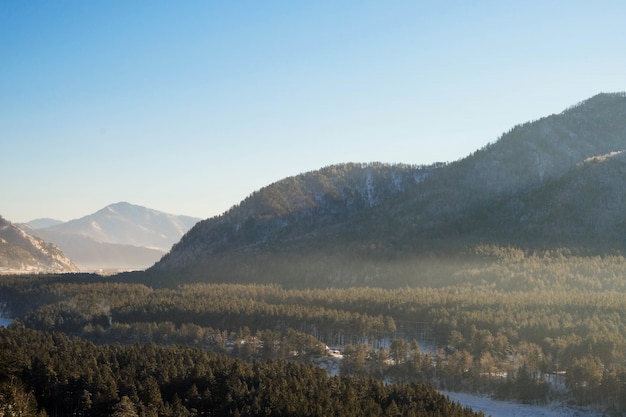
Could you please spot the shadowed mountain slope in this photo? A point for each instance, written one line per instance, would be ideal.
(585, 206)
(307, 206)
(524, 160)
(552, 181)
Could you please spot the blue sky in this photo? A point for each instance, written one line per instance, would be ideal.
(188, 107)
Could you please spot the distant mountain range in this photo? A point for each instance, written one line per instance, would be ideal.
(44, 222)
(558, 181)
(121, 236)
(21, 252)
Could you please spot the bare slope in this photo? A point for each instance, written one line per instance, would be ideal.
(120, 236)
(129, 224)
(23, 253)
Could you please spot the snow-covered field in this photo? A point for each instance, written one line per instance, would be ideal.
(508, 409)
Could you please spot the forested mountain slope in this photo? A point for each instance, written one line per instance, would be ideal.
(307, 206)
(585, 206)
(521, 165)
(546, 181)
(21, 252)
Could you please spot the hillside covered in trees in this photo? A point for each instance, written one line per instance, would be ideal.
(524, 326)
(500, 274)
(51, 374)
(552, 183)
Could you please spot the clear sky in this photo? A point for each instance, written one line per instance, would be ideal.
(189, 106)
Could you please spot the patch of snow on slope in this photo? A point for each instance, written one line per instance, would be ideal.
(36, 243)
(421, 176)
(602, 158)
(369, 189)
(95, 226)
(180, 227)
(396, 181)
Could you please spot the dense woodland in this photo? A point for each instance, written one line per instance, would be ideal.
(47, 373)
(557, 181)
(502, 273)
(530, 326)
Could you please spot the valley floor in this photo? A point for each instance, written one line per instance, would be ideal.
(497, 408)
(488, 406)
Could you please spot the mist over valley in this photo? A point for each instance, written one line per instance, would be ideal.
(500, 274)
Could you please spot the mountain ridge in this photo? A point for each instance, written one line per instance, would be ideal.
(42, 223)
(596, 215)
(477, 197)
(131, 224)
(300, 204)
(120, 236)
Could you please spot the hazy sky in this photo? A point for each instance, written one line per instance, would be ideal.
(189, 106)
